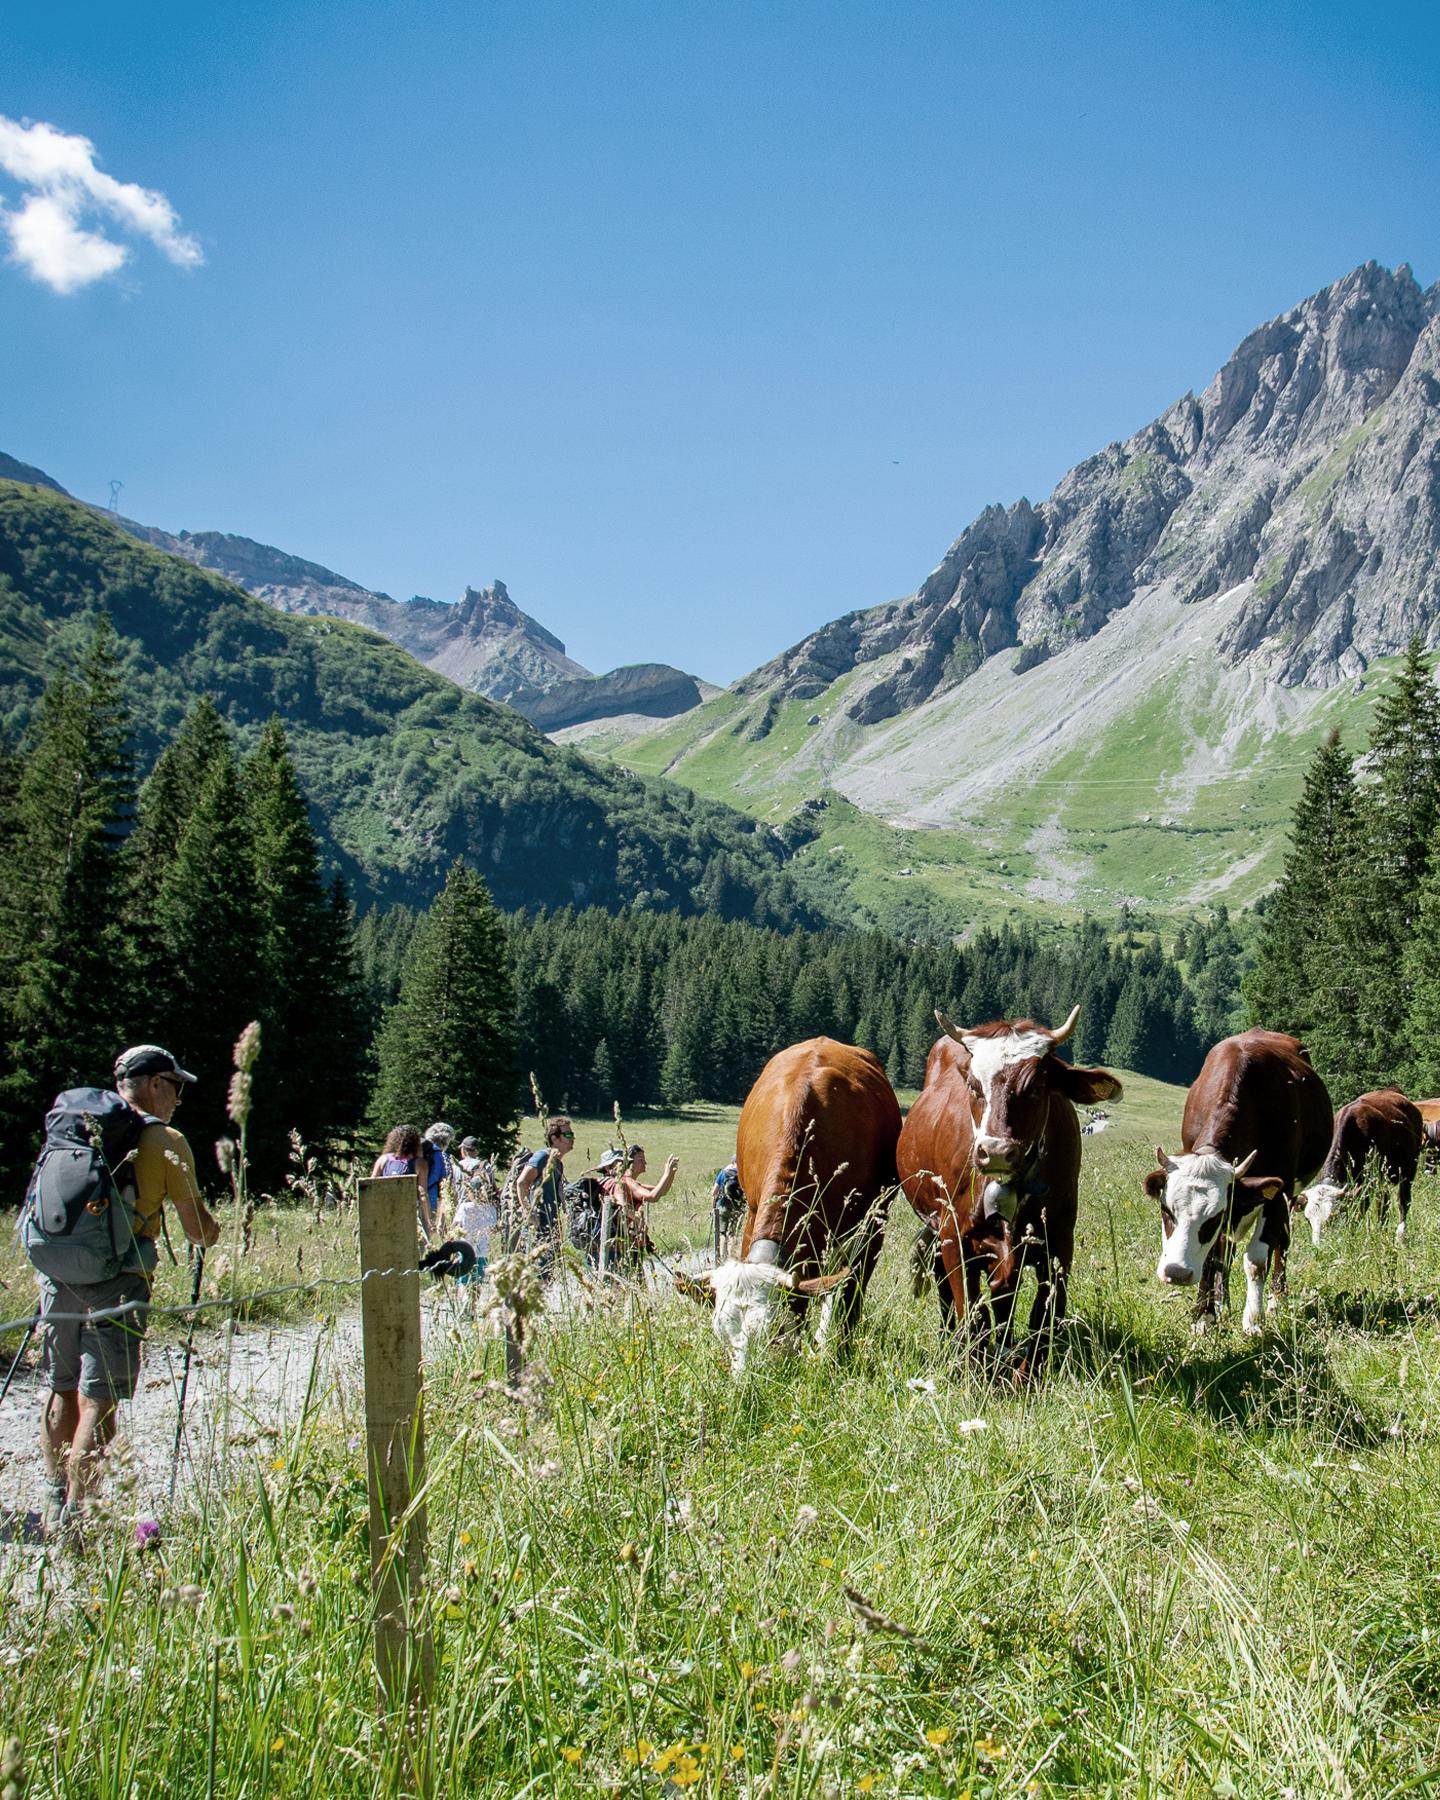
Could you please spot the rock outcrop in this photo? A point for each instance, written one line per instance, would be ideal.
(1309, 468)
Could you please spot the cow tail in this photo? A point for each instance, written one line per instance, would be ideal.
(922, 1257)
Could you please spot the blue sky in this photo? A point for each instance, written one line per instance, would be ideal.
(700, 325)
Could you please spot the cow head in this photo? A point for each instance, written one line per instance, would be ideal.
(1012, 1075)
(1199, 1193)
(1320, 1201)
(745, 1296)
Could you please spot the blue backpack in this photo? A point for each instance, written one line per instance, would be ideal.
(78, 1221)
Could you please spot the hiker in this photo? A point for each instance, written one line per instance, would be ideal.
(401, 1156)
(434, 1168)
(139, 1161)
(540, 1189)
(727, 1205)
(475, 1211)
(632, 1197)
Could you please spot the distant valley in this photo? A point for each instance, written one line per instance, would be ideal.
(1111, 697)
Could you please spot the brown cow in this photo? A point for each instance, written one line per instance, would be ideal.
(1256, 1124)
(816, 1159)
(990, 1159)
(1385, 1125)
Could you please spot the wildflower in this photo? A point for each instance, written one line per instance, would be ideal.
(465, 1537)
(278, 1464)
(917, 1384)
(938, 1735)
(747, 1671)
(806, 1518)
(736, 1752)
(790, 1664)
(866, 1784)
(283, 1611)
(571, 1754)
(628, 1553)
(147, 1534)
(192, 1596)
(968, 1427)
(453, 1595)
(307, 1582)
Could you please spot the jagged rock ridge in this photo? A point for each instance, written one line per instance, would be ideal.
(484, 642)
(1309, 468)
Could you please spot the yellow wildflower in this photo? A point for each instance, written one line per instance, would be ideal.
(747, 1671)
(736, 1752)
(937, 1735)
(278, 1745)
(866, 1784)
(570, 1753)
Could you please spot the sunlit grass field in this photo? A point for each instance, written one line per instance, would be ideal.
(1176, 1567)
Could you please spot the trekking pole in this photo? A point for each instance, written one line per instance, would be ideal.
(14, 1367)
(199, 1254)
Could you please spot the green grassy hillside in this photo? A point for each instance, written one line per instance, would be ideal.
(404, 769)
(1143, 771)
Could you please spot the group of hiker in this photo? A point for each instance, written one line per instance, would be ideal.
(95, 1213)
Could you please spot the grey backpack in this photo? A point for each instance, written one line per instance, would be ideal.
(78, 1221)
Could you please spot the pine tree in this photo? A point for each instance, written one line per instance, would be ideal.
(1398, 819)
(309, 1007)
(447, 1047)
(208, 916)
(65, 959)
(1293, 985)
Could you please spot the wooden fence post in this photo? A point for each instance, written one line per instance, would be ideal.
(395, 1440)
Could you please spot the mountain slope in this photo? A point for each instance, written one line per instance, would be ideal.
(1171, 628)
(404, 769)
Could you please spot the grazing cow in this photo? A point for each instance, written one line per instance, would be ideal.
(1256, 1124)
(1384, 1125)
(990, 1159)
(816, 1159)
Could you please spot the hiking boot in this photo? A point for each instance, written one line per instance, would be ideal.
(52, 1509)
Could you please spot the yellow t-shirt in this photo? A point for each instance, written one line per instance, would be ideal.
(164, 1170)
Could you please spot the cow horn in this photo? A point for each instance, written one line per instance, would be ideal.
(1167, 1163)
(1241, 1167)
(950, 1030)
(1066, 1030)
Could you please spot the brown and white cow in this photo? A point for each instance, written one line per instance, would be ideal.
(1256, 1124)
(816, 1158)
(990, 1159)
(1383, 1124)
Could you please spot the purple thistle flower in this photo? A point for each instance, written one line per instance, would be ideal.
(147, 1534)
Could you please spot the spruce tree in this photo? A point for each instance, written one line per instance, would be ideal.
(308, 984)
(1398, 818)
(66, 959)
(1294, 984)
(208, 916)
(447, 1047)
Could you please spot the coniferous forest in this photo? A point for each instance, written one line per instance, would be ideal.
(177, 907)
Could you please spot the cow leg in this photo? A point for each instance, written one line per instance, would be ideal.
(840, 1309)
(955, 1282)
(1216, 1272)
(1052, 1272)
(1257, 1263)
(1276, 1228)
(1403, 1197)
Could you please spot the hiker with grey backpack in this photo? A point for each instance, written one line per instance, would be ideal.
(93, 1212)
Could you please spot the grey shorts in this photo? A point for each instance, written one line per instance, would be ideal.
(99, 1358)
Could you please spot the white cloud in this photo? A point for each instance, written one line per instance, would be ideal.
(51, 232)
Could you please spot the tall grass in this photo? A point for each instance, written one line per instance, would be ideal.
(1177, 1567)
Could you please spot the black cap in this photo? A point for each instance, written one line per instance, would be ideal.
(148, 1059)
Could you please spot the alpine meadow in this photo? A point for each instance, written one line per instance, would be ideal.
(628, 1233)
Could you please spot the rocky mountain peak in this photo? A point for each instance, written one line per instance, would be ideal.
(1309, 468)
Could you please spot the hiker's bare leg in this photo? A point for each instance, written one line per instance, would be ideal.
(87, 1452)
(59, 1421)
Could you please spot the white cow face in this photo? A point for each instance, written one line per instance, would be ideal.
(1199, 1193)
(746, 1295)
(1321, 1201)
